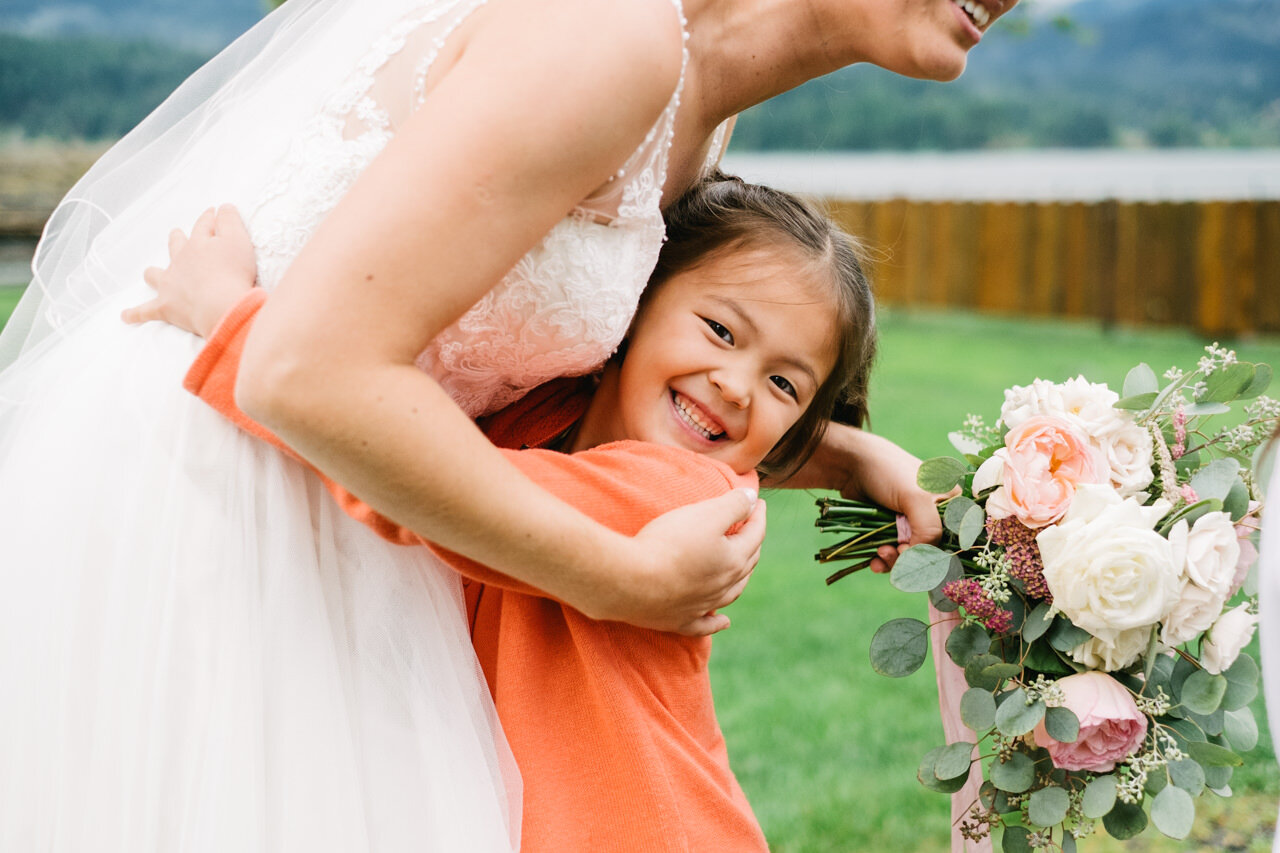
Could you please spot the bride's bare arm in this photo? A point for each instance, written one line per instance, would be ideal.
(503, 147)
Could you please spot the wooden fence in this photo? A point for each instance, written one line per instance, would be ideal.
(1210, 266)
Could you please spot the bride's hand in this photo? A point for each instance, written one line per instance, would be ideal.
(208, 273)
(692, 566)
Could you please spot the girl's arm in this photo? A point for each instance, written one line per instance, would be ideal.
(516, 133)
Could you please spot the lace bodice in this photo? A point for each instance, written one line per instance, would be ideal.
(561, 310)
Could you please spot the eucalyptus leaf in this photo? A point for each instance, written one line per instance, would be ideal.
(1173, 812)
(1048, 806)
(978, 709)
(920, 568)
(1188, 775)
(1136, 403)
(941, 474)
(1037, 622)
(973, 672)
(1236, 503)
(1151, 655)
(954, 760)
(1002, 670)
(1015, 716)
(1241, 729)
(1212, 755)
(1202, 692)
(1217, 778)
(971, 527)
(899, 647)
(1042, 658)
(1014, 776)
(925, 774)
(1215, 479)
(967, 642)
(1206, 408)
(954, 513)
(1187, 732)
(1016, 839)
(1062, 724)
(1064, 636)
(1099, 796)
(1261, 380)
(1227, 383)
(1210, 724)
(1068, 843)
(1156, 782)
(1140, 379)
(1242, 683)
(1125, 821)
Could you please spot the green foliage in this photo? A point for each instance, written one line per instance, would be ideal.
(899, 647)
(82, 88)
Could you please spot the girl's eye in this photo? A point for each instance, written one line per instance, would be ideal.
(785, 386)
(718, 330)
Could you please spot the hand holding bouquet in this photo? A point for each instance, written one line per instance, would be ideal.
(1091, 552)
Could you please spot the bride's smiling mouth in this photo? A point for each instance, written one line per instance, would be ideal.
(977, 13)
(695, 418)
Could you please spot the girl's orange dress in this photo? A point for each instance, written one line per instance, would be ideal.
(612, 726)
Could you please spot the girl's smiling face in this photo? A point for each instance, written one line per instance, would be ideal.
(722, 359)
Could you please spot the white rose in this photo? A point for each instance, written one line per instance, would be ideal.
(1116, 654)
(1108, 570)
(1194, 610)
(1210, 550)
(1091, 406)
(1023, 402)
(1129, 454)
(1227, 638)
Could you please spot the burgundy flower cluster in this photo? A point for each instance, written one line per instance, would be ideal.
(1023, 554)
(967, 593)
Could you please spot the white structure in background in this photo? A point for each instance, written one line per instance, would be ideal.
(1030, 175)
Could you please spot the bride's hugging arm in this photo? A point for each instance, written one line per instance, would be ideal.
(505, 143)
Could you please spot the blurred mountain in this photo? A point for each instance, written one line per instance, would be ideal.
(203, 25)
(1066, 73)
(1085, 73)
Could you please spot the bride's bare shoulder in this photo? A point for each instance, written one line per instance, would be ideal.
(636, 41)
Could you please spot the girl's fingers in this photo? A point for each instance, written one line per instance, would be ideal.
(228, 223)
(177, 240)
(705, 626)
(143, 313)
(151, 275)
(204, 226)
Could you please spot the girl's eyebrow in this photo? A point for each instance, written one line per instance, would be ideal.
(790, 360)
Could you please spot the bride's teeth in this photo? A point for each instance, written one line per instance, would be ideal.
(976, 11)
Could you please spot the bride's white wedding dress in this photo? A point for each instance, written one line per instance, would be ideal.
(198, 650)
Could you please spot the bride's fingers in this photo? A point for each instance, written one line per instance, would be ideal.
(151, 275)
(177, 239)
(143, 313)
(705, 626)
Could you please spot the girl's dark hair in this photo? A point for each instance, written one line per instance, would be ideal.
(722, 213)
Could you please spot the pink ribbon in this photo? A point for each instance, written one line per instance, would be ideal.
(951, 686)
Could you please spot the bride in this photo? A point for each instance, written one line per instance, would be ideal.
(452, 201)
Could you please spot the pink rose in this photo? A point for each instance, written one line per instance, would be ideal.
(1043, 460)
(1111, 726)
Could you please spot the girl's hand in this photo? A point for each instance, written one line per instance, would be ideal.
(694, 566)
(207, 275)
(865, 466)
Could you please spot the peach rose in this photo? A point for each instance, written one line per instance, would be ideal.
(1111, 726)
(1043, 460)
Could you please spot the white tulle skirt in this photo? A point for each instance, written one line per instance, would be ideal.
(199, 651)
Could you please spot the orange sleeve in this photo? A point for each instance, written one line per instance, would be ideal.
(623, 485)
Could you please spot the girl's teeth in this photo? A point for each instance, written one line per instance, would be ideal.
(695, 419)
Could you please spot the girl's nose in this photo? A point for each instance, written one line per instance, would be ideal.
(733, 385)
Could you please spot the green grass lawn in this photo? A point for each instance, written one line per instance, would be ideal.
(826, 748)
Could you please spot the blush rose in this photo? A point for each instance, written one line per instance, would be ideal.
(1037, 471)
(1111, 726)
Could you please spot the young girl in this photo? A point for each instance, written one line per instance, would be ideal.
(756, 325)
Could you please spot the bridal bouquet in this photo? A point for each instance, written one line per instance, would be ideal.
(1094, 543)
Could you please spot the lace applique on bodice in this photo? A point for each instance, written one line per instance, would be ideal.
(561, 310)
